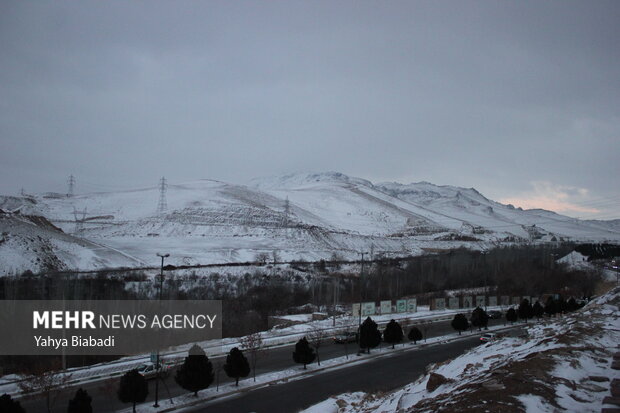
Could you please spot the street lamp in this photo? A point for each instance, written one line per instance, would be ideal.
(359, 327)
(484, 254)
(161, 287)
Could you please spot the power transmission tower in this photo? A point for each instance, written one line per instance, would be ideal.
(70, 183)
(79, 222)
(162, 204)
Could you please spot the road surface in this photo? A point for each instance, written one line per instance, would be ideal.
(105, 399)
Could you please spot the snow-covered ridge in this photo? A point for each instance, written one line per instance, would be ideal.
(301, 180)
(303, 216)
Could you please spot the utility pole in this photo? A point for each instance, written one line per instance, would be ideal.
(484, 253)
(287, 211)
(162, 205)
(71, 184)
(157, 363)
(336, 288)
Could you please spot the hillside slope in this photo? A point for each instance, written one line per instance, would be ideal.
(301, 216)
(559, 365)
(32, 243)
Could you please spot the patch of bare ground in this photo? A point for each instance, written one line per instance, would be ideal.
(496, 389)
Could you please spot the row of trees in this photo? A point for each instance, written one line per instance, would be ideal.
(525, 311)
(369, 337)
(195, 374)
(81, 403)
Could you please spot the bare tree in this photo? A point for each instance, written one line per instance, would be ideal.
(253, 345)
(47, 379)
(316, 336)
(275, 256)
(346, 325)
(262, 258)
(425, 326)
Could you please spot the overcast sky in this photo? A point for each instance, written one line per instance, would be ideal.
(520, 100)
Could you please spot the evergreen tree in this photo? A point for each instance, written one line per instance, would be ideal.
(525, 310)
(550, 306)
(8, 405)
(133, 388)
(236, 365)
(538, 310)
(560, 305)
(460, 323)
(80, 403)
(415, 334)
(196, 372)
(571, 304)
(393, 333)
(479, 318)
(303, 354)
(511, 315)
(370, 336)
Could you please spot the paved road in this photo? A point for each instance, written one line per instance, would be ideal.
(384, 373)
(104, 393)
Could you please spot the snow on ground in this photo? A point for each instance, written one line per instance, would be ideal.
(209, 221)
(271, 338)
(294, 373)
(575, 260)
(32, 243)
(550, 369)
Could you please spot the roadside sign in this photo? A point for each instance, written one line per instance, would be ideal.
(480, 300)
(453, 303)
(412, 305)
(467, 301)
(401, 306)
(440, 303)
(505, 301)
(355, 310)
(386, 307)
(368, 308)
(493, 301)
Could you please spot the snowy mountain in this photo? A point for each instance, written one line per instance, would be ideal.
(301, 216)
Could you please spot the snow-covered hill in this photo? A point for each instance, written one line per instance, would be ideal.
(301, 216)
(32, 243)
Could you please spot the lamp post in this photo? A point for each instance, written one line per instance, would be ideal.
(161, 287)
(359, 327)
(484, 255)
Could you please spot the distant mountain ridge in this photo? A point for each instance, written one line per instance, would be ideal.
(301, 216)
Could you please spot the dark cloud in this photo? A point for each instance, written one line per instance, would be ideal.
(495, 95)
